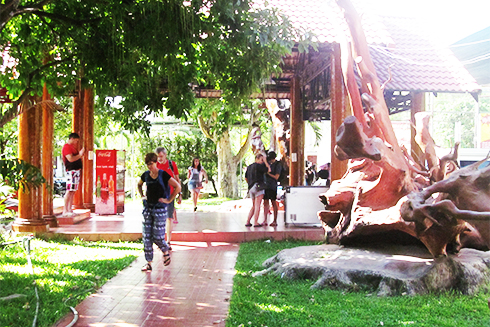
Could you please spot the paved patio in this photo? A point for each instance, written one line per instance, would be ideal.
(195, 289)
(225, 223)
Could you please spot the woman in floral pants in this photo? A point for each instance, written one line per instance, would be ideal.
(155, 203)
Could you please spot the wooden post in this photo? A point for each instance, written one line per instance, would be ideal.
(30, 218)
(417, 105)
(47, 160)
(297, 157)
(77, 126)
(88, 141)
(338, 111)
(25, 203)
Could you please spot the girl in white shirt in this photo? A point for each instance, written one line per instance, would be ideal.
(196, 175)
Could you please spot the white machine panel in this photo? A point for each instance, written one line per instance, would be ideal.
(302, 204)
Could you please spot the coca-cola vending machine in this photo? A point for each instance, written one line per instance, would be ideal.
(109, 181)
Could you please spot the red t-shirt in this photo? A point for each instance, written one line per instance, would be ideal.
(166, 167)
(70, 149)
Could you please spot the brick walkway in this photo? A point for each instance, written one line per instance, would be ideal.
(193, 291)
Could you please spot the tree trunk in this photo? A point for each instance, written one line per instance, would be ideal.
(227, 166)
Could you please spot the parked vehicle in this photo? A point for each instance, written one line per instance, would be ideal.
(59, 186)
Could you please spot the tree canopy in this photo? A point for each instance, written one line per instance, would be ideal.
(150, 52)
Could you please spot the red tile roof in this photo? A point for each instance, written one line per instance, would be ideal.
(417, 63)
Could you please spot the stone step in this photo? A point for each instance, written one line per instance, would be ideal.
(78, 216)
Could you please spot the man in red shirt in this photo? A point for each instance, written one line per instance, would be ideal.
(72, 158)
(164, 164)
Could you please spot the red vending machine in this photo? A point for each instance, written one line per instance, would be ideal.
(109, 181)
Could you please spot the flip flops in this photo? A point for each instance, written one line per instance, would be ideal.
(146, 267)
(166, 259)
(248, 225)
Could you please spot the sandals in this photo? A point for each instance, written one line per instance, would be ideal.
(248, 225)
(273, 224)
(166, 259)
(146, 267)
(258, 225)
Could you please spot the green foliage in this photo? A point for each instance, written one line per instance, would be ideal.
(149, 52)
(448, 110)
(216, 116)
(20, 174)
(62, 124)
(8, 140)
(64, 272)
(5, 192)
(182, 147)
(272, 301)
(485, 104)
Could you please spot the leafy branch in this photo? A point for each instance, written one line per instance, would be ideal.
(16, 109)
(11, 9)
(20, 174)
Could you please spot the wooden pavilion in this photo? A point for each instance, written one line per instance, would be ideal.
(313, 81)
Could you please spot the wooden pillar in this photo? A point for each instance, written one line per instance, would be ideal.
(88, 141)
(417, 105)
(25, 201)
(30, 218)
(47, 160)
(338, 111)
(297, 140)
(77, 127)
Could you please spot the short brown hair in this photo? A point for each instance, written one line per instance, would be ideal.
(151, 157)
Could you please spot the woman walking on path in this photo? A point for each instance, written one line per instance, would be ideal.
(256, 187)
(158, 196)
(196, 175)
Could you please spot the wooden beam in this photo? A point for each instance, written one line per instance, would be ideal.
(88, 141)
(315, 68)
(77, 126)
(47, 159)
(338, 114)
(297, 132)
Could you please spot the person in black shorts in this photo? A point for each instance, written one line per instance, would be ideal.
(271, 187)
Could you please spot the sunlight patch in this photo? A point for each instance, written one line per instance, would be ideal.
(270, 307)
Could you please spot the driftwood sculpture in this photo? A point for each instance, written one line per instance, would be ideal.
(387, 192)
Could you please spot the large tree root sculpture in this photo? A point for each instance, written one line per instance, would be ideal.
(384, 189)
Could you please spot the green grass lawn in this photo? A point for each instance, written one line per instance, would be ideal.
(65, 273)
(272, 301)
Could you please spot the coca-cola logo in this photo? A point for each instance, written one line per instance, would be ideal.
(103, 154)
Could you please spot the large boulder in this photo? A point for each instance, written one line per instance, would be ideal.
(385, 270)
